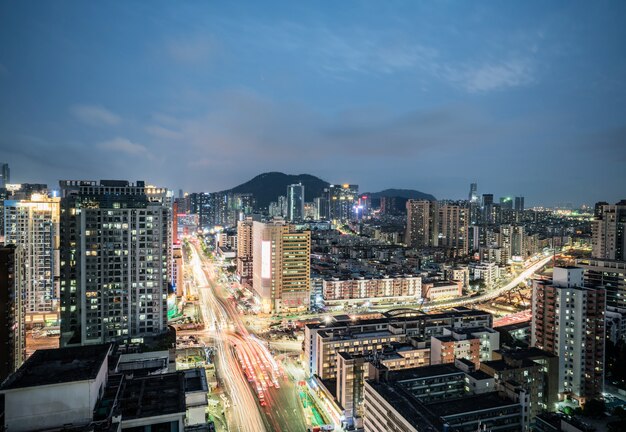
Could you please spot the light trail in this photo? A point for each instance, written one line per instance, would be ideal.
(244, 361)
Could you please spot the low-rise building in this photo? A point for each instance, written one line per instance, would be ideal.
(434, 291)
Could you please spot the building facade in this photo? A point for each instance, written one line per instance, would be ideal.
(568, 321)
(281, 266)
(33, 224)
(114, 261)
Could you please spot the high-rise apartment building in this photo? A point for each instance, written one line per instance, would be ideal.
(342, 200)
(295, 202)
(519, 204)
(453, 226)
(244, 250)
(12, 313)
(33, 224)
(114, 261)
(5, 175)
(422, 223)
(281, 266)
(607, 267)
(568, 321)
(609, 232)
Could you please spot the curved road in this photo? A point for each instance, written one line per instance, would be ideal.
(495, 293)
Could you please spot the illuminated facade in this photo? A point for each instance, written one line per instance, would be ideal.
(568, 321)
(33, 224)
(295, 202)
(244, 250)
(114, 261)
(281, 266)
(398, 288)
(342, 200)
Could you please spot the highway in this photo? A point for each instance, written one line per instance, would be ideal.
(493, 294)
(262, 397)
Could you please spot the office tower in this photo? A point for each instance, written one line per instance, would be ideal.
(421, 223)
(519, 204)
(453, 227)
(473, 193)
(281, 266)
(506, 203)
(568, 321)
(114, 261)
(342, 200)
(5, 175)
(609, 232)
(33, 224)
(244, 250)
(323, 206)
(295, 202)
(12, 313)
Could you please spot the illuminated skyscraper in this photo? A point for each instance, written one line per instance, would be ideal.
(473, 193)
(114, 261)
(281, 266)
(342, 200)
(295, 202)
(33, 224)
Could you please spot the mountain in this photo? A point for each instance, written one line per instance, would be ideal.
(267, 187)
(403, 193)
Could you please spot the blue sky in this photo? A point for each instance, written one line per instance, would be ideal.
(526, 98)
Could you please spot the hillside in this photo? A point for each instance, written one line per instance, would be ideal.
(267, 187)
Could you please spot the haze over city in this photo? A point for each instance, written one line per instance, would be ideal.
(522, 97)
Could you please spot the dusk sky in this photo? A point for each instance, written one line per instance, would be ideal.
(526, 98)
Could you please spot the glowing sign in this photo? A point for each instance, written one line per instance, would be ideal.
(266, 259)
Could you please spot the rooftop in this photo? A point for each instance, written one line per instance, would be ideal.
(59, 365)
(468, 404)
(153, 395)
(423, 372)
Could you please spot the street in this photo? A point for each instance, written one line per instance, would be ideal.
(262, 397)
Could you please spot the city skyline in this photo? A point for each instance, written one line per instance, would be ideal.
(527, 98)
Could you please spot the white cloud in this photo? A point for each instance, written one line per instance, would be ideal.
(124, 145)
(492, 76)
(95, 115)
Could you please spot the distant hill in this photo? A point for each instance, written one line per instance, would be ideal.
(267, 187)
(403, 193)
